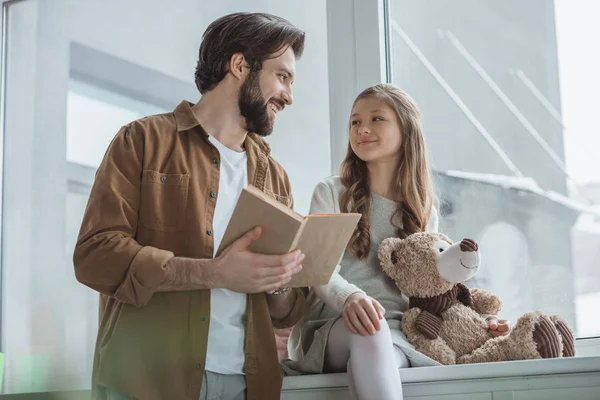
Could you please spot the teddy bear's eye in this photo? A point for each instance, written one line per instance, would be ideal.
(440, 246)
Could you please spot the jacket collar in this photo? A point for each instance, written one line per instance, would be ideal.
(186, 120)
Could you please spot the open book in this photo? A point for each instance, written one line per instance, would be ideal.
(321, 237)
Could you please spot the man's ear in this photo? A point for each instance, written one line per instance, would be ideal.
(238, 66)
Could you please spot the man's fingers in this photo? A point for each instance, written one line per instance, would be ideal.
(493, 323)
(267, 271)
(272, 280)
(275, 261)
(245, 241)
(285, 278)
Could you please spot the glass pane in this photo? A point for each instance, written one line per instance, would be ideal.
(77, 71)
(507, 91)
(82, 327)
(94, 115)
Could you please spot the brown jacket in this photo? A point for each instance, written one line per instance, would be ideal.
(154, 197)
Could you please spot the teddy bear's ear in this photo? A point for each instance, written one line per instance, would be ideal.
(388, 249)
(446, 238)
(394, 257)
(391, 243)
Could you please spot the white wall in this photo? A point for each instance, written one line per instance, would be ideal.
(48, 319)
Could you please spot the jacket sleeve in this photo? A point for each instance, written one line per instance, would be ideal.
(107, 258)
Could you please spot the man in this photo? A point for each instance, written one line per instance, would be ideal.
(177, 321)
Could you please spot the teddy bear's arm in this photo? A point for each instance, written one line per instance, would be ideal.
(485, 302)
(429, 324)
(464, 295)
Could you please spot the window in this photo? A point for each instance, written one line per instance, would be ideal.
(76, 72)
(94, 115)
(507, 92)
(506, 85)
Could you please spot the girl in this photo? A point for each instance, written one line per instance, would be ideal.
(385, 177)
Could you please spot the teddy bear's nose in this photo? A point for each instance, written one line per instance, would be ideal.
(467, 245)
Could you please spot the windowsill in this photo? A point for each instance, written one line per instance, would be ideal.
(507, 369)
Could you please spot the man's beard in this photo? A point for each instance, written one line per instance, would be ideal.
(253, 106)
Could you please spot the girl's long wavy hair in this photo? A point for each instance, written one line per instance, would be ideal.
(413, 181)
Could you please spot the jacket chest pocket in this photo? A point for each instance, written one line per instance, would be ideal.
(163, 200)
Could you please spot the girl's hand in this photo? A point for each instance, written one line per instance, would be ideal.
(498, 327)
(362, 314)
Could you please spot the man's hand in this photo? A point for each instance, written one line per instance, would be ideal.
(241, 270)
(362, 314)
(498, 327)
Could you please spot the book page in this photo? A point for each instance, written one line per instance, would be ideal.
(323, 241)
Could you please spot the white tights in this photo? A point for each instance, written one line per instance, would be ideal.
(372, 362)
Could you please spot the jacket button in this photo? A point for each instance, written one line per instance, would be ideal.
(213, 194)
(199, 366)
(215, 160)
(209, 232)
(163, 178)
(203, 319)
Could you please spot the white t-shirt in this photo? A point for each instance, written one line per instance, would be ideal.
(225, 353)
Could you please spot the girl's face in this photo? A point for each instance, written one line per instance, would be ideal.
(375, 133)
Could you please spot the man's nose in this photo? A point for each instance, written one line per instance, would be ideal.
(287, 97)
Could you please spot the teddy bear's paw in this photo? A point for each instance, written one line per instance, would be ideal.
(568, 340)
(547, 339)
(485, 302)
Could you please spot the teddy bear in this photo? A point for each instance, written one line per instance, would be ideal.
(446, 320)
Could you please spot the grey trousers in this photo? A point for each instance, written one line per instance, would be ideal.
(214, 387)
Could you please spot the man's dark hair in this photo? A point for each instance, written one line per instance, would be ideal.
(256, 35)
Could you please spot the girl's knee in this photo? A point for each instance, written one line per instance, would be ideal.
(384, 329)
(382, 337)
